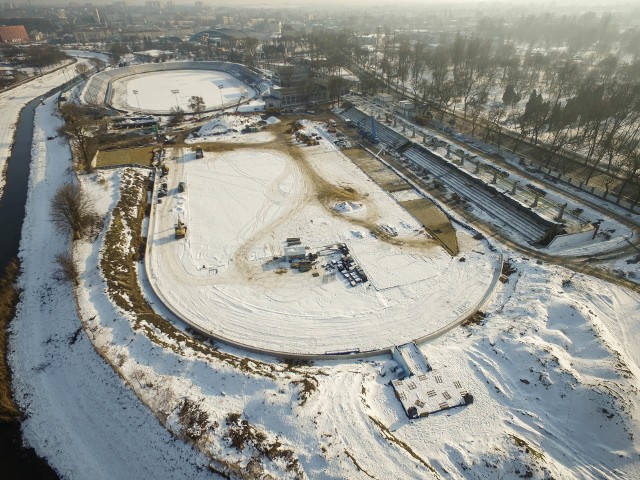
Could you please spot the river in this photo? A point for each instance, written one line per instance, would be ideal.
(18, 462)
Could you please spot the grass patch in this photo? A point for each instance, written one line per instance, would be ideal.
(308, 385)
(355, 462)
(242, 435)
(126, 156)
(475, 319)
(386, 433)
(527, 448)
(194, 421)
(9, 296)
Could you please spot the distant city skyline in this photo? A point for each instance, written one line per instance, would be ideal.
(599, 4)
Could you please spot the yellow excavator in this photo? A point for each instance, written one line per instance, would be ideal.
(180, 229)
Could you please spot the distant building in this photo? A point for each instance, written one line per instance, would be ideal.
(91, 35)
(406, 108)
(13, 34)
(150, 56)
(293, 96)
(383, 98)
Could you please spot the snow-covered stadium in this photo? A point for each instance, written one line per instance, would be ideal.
(157, 88)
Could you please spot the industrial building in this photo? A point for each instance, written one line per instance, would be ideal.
(13, 34)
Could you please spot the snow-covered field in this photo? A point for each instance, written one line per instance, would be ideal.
(241, 205)
(155, 91)
(553, 367)
(79, 414)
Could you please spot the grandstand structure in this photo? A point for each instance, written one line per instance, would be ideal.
(99, 88)
(535, 222)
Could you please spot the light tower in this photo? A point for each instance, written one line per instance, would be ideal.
(175, 92)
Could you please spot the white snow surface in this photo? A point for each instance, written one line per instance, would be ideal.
(555, 364)
(241, 205)
(79, 414)
(155, 90)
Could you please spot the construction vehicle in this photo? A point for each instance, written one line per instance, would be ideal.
(371, 136)
(180, 229)
(242, 97)
(424, 118)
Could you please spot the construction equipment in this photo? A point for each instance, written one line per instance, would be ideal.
(242, 97)
(180, 229)
(424, 118)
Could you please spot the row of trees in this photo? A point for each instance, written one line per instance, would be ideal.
(587, 104)
(34, 56)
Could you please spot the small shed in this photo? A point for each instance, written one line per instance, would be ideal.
(405, 107)
(384, 98)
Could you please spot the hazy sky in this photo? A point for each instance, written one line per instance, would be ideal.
(266, 3)
(315, 5)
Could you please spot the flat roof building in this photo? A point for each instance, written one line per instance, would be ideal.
(422, 390)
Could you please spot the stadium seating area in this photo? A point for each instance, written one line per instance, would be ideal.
(98, 89)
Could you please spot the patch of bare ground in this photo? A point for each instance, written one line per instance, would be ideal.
(241, 435)
(475, 319)
(386, 433)
(527, 448)
(355, 462)
(308, 385)
(9, 296)
(435, 222)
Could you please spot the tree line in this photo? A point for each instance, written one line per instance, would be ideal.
(585, 104)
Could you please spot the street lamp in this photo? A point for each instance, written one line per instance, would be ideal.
(175, 94)
(135, 92)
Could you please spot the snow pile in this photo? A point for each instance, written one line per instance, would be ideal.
(349, 207)
(272, 120)
(217, 126)
(232, 128)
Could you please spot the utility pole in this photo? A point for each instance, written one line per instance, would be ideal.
(175, 94)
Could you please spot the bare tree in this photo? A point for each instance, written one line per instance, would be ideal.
(197, 105)
(72, 210)
(82, 69)
(67, 268)
(176, 117)
(80, 129)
